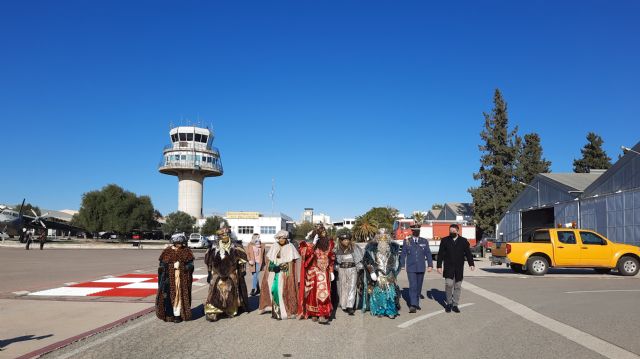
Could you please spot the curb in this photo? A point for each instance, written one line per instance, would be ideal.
(63, 343)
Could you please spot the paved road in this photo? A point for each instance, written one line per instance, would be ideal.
(485, 329)
(565, 314)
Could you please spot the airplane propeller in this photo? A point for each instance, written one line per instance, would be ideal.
(38, 219)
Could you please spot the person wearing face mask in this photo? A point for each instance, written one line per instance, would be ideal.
(255, 254)
(453, 252)
(348, 264)
(279, 280)
(415, 253)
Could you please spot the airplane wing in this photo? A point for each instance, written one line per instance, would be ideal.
(28, 220)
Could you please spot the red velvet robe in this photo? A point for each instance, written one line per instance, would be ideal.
(314, 295)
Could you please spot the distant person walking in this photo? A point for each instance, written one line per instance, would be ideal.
(29, 239)
(453, 251)
(255, 254)
(42, 238)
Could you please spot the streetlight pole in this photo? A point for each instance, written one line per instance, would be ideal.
(626, 149)
(537, 189)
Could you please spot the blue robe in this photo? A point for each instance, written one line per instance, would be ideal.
(381, 297)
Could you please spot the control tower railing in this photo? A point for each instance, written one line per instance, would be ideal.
(215, 165)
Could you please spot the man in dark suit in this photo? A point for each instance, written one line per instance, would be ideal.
(415, 251)
(453, 251)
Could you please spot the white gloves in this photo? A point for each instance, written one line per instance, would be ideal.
(374, 277)
(315, 238)
(250, 262)
(333, 277)
(176, 265)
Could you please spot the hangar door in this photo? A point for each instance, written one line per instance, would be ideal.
(536, 219)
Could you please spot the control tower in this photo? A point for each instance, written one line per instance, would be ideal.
(191, 157)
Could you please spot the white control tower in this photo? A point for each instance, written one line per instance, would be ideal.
(191, 157)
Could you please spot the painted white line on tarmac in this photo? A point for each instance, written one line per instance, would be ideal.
(603, 291)
(427, 316)
(575, 335)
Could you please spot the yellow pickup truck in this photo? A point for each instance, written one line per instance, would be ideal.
(571, 248)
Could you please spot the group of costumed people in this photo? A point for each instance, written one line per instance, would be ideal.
(296, 282)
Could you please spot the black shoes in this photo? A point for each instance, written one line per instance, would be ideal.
(350, 311)
(418, 307)
(412, 309)
(177, 319)
(447, 308)
(456, 309)
(421, 296)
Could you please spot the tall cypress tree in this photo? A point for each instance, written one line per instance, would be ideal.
(530, 161)
(593, 155)
(497, 165)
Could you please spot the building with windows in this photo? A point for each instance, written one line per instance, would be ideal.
(346, 223)
(245, 224)
(191, 158)
(607, 202)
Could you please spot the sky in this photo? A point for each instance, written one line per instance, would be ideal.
(347, 105)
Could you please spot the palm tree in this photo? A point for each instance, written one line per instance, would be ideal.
(364, 229)
(418, 217)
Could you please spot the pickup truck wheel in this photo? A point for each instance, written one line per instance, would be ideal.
(602, 270)
(628, 266)
(537, 265)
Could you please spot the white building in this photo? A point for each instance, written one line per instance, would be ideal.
(309, 216)
(346, 223)
(245, 224)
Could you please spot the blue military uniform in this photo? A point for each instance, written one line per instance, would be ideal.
(415, 251)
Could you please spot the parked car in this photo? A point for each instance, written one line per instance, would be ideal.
(197, 241)
(570, 248)
(108, 235)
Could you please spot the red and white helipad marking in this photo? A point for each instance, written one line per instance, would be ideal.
(128, 285)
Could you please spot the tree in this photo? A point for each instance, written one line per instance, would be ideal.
(211, 225)
(364, 229)
(497, 162)
(302, 229)
(593, 155)
(383, 217)
(26, 209)
(437, 206)
(530, 161)
(179, 222)
(418, 217)
(114, 209)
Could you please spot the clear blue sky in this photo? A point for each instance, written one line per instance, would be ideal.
(348, 105)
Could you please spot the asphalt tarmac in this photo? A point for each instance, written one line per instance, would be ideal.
(568, 313)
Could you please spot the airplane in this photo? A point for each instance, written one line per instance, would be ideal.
(12, 223)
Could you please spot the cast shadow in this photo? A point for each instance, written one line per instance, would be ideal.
(438, 296)
(22, 338)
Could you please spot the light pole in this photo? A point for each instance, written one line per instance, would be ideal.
(537, 189)
(626, 149)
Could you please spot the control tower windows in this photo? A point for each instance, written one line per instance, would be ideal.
(183, 136)
(174, 137)
(205, 138)
(189, 136)
(198, 137)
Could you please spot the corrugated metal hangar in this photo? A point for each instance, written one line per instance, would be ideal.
(605, 201)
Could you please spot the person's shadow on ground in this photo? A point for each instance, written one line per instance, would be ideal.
(23, 338)
(438, 296)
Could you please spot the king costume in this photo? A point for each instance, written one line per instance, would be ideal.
(348, 265)
(175, 276)
(279, 291)
(314, 297)
(381, 294)
(227, 287)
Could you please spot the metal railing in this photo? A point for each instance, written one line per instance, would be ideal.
(216, 165)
